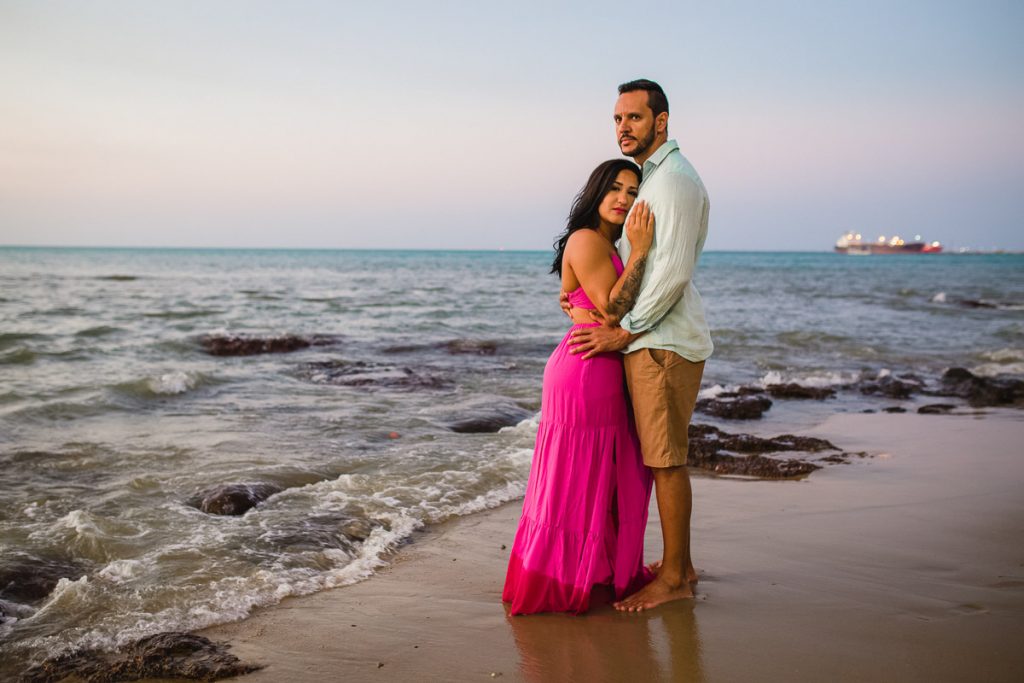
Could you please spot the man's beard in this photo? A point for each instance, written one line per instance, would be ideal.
(641, 145)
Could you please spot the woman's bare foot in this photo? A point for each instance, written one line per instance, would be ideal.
(655, 593)
(691, 573)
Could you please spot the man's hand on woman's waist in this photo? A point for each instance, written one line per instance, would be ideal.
(604, 339)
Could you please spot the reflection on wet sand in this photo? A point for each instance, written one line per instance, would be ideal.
(605, 645)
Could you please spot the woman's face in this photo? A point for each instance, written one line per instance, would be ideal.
(620, 198)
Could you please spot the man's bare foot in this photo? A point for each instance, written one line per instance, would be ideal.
(655, 593)
(691, 573)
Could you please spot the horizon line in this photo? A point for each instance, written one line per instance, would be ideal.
(499, 250)
(450, 249)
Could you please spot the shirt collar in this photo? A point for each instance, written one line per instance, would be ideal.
(666, 148)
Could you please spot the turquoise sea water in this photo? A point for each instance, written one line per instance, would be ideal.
(112, 416)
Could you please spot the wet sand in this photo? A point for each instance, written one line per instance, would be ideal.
(904, 566)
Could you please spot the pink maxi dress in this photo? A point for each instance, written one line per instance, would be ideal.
(586, 502)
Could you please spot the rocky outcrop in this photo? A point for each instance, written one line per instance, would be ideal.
(357, 373)
(976, 303)
(318, 532)
(240, 345)
(958, 382)
(26, 578)
(891, 387)
(724, 453)
(233, 499)
(473, 347)
(794, 390)
(734, 406)
(980, 391)
(488, 417)
(164, 655)
(936, 409)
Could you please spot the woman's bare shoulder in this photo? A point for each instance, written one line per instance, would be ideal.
(585, 239)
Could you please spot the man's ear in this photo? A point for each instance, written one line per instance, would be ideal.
(661, 122)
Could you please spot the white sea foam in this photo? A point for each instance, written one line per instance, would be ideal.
(397, 502)
(226, 599)
(716, 390)
(995, 369)
(79, 521)
(1006, 361)
(939, 298)
(829, 379)
(120, 571)
(11, 613)
(32, 510)
(1004, 355)
(527, 427)
(65, 596)
(171, 383)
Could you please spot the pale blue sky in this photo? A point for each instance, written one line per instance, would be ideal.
(472, 125)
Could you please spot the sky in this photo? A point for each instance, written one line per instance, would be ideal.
(471, 125)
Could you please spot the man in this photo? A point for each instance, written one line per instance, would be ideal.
(662, 329)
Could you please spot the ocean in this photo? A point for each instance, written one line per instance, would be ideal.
(114, 418)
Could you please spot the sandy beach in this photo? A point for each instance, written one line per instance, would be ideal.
(903, 566)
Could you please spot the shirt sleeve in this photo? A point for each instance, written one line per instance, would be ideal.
(678, 206)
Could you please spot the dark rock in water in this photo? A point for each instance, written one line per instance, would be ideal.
(164, 655)
(890, 387)
(27, 578)
(359, 373)
(794, 390)
(489, 418)
(957, 375)
(869, 410)
(894, 409)
(712, 449)
(318, 532)
(471, 347)
(976, 303)
(236, 345)
(358, 529)
(403, 348)
(936, 408)
(14, 610)
(980, 391)
(233, 499)
(735, 407)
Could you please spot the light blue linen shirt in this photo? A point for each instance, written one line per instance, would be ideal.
(669, 307)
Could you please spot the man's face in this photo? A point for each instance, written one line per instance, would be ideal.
(634, 123)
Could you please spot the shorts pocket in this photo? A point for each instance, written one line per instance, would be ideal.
(663, 358)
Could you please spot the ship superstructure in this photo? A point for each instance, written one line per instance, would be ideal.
(854, 244)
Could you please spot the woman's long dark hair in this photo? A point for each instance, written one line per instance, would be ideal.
(583, 213)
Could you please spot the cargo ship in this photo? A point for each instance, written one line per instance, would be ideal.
(854, 244)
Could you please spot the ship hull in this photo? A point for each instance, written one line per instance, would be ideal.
(863, 249)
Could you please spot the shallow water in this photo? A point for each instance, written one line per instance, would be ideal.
(112, 415)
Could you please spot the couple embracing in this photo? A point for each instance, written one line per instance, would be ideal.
(636, 317)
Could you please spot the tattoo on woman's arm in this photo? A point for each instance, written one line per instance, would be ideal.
(626, 298)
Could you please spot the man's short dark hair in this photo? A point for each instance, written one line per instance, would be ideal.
(656, 98)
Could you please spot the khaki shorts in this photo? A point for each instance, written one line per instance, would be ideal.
(663, 388)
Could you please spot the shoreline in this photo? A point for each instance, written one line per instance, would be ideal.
(900, 566)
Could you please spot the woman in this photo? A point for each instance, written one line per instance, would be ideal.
(586, 501)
